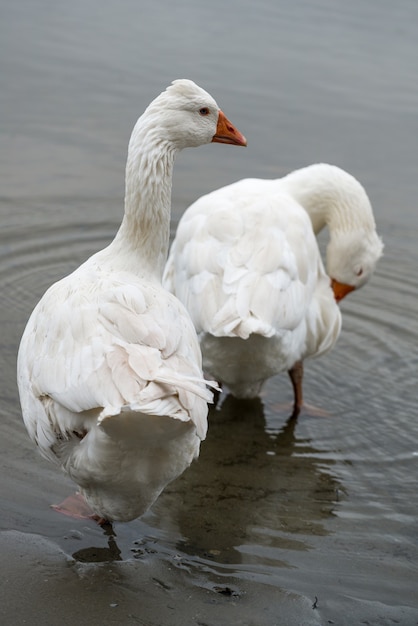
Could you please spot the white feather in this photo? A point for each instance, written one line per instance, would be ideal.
(246, 264)
(109, 366)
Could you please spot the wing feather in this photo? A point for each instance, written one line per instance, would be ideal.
(129, 345)
(260, 276)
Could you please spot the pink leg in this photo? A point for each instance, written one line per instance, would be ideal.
(296, 377)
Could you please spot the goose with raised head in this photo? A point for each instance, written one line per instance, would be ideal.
(109, 366)
(245, 262)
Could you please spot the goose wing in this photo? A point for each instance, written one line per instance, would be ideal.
(244, 263)
(100, 344)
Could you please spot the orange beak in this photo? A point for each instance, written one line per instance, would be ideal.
(227, 133)
(340, 289)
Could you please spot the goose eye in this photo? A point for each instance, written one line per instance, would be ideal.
(204, 111)
(360, 272)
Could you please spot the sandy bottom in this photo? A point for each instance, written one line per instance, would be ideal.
(41, 585)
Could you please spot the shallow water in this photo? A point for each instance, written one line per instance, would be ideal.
(312, 523)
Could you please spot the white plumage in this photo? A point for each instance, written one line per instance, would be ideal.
(109, 366)
(246, 264)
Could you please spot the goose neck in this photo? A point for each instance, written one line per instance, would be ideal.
(145, 229)
(332, 198)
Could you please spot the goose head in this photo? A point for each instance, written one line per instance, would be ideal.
(351, 259)
(185, 115)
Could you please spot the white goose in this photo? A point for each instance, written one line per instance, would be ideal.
(246, 264)
(109, 366)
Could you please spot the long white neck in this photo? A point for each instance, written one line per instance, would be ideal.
(331, 197)
(143, 237)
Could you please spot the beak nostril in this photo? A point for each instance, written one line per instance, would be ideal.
(227, 133)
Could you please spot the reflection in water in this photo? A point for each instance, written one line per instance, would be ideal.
(100, 555)
(252, 494)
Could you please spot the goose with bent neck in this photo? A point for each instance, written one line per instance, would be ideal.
(246, 263)
(334, 198)
(109, 366)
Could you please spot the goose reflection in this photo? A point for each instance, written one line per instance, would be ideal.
(251, 494)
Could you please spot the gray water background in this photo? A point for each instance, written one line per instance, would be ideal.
(273, 515)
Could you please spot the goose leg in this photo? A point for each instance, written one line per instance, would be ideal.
(296, 377)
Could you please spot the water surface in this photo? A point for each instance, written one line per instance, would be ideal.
(277, 523)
